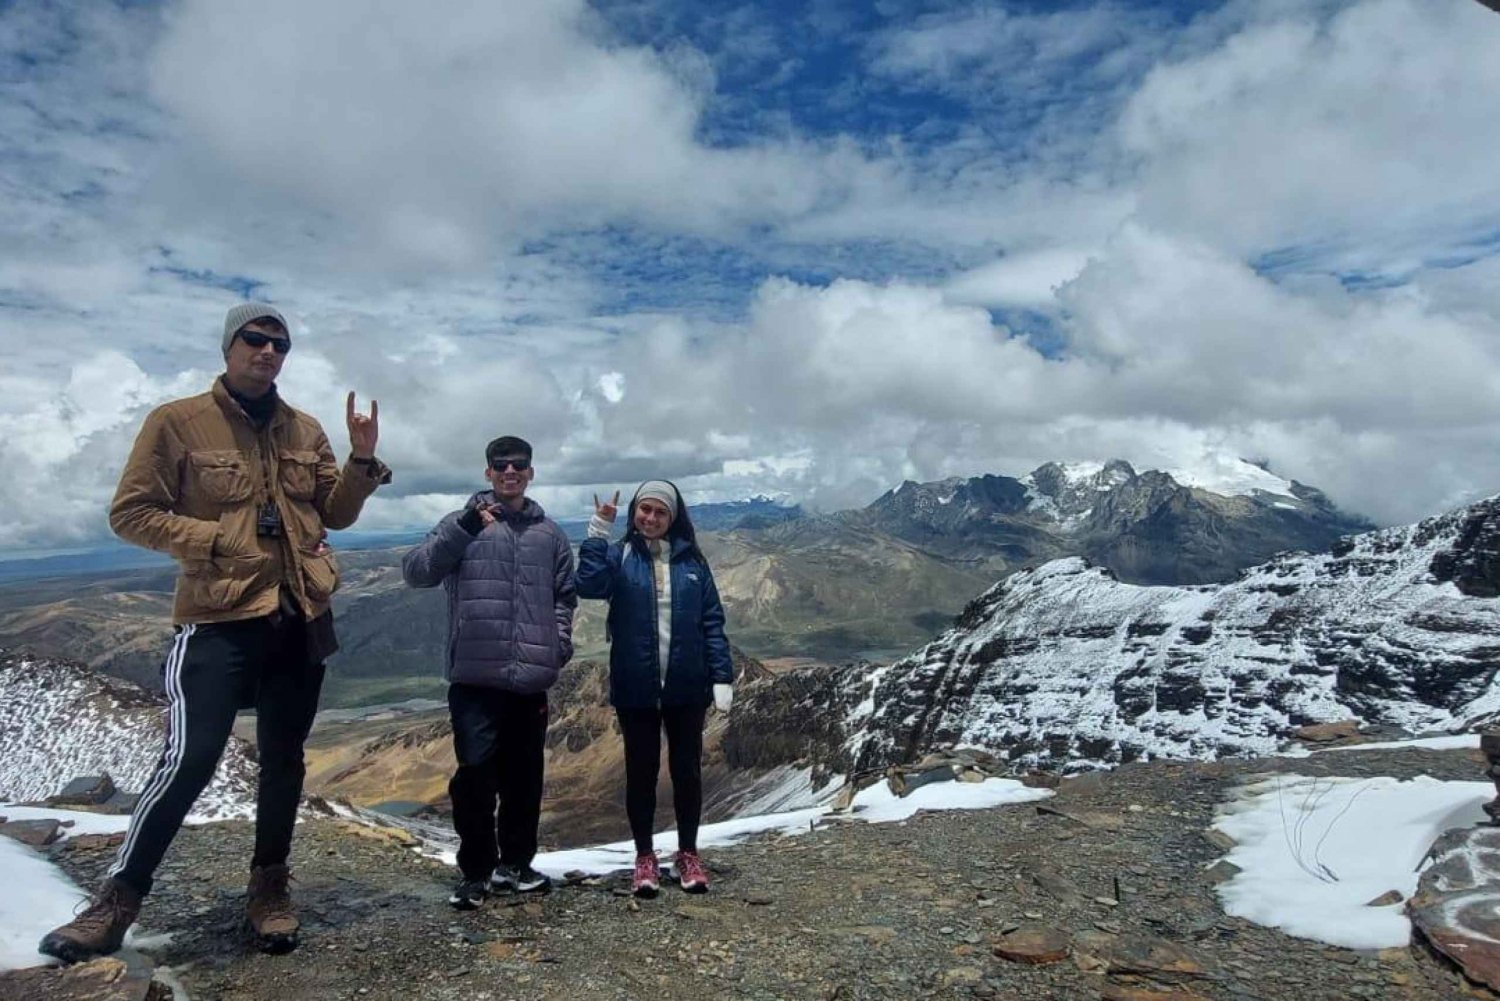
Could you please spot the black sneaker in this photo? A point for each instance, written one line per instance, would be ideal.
(468, 894)
(527, 880)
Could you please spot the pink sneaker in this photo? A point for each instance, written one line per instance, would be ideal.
(647, 879)
(690, 872)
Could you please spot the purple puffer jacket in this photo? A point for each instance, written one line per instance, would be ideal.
(510, 596)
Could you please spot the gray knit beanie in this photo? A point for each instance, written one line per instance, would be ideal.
(246, 312)
(658, 490)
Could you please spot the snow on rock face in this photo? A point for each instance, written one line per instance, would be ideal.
(1064, 666)
(59, 721)
(1188, 526)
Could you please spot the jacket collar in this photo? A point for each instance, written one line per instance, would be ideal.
(530, 509)
(679, 545)
(234, 411)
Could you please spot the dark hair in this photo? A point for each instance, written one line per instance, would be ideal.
(507, 446)
(681, 527)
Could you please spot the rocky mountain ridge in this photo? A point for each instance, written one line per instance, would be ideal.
(1148, 527)
(1065, 666)
(60, 721)
(873, 582)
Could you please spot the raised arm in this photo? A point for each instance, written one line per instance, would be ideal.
(430, 561)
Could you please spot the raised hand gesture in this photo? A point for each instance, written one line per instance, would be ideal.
(609, 509)
(363, 431)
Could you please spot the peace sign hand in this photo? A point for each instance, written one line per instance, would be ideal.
(608, 510)
(363, 431)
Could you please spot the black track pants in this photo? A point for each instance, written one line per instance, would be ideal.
(498, 739)
(212, 671)
(642, 729)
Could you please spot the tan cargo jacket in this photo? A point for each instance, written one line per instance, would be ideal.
(194, 485)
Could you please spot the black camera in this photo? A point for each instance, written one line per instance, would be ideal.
(268, 523)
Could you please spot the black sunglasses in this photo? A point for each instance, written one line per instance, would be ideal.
(519, 465)
(281, 345)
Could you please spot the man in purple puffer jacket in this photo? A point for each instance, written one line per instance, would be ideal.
(508, 571)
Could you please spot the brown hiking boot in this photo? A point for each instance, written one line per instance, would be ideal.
(268, 906)
(101, 927)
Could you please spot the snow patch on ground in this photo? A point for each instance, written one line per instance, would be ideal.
(1314, 851)
(37, 898)
(62, 721)
(83, 821)
(876, 805)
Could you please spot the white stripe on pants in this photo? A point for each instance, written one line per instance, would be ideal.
(176, 742)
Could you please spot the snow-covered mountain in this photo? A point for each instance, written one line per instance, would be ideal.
(60, 720)
(1064, 665)
(1186, 526)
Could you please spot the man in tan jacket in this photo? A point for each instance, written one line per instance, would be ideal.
(240, 488)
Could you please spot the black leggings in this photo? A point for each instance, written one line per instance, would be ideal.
(642, 730)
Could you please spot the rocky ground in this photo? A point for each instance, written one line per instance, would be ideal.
(1110, 874)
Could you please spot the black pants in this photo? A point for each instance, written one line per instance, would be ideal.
(498, 738)
(212, 671)
(642, 729)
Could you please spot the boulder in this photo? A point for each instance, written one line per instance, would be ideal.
(88, 790)
(1323, 733)
(1457, 904)
(36, 833)
(106, 979)
(1034, 945)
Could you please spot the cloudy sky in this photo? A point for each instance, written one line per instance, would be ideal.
(801, 248)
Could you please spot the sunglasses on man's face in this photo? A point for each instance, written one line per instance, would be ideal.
(519, 465)
(281, 345)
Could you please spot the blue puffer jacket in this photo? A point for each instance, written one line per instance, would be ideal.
(510, 595)
(620, 573)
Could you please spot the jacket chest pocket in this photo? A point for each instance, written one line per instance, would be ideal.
(221, 475)
(299, 473)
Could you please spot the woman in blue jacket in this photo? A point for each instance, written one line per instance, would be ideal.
(668, 662)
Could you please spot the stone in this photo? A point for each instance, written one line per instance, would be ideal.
(1323, 733)
(96, 842)
(105, 979)
(85, 791)
(1386, 899)
(1064, 889)
(1034, 945)
(914, 780)
(1457, 904)
(1141, 953)
(1219, 839)
(963, 976)
(36, 833)
(1221, 871)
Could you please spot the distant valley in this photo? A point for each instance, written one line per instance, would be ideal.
(869, 583)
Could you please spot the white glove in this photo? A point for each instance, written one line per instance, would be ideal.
(723, 697)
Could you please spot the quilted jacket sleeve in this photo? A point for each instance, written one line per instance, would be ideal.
(716, 644)
(428, 562)
(598, 564)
